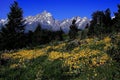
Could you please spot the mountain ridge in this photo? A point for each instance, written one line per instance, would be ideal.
(47, 21)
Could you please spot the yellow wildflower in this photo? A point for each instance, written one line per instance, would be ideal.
(14, 65)
(107, 40)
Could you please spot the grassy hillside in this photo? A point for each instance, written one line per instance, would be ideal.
(87, 59)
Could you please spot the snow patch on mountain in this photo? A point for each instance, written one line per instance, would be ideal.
(47, 21)
(80, 22)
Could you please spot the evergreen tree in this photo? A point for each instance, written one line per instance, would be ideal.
(73, 30)
(37, 36)
(116, 20)
(85, 32)
(30, 38)
(0, 39)
(108, 17)
(42, 36)
(13, 32)
(87, 26)
(46, 36)
(98, 17)
(108, 21)
(59, 34)
(97, 24)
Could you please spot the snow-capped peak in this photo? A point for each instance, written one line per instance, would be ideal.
(47, 21)
(46, 14)
(2, 22)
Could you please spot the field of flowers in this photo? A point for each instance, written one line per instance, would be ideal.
(87, 59)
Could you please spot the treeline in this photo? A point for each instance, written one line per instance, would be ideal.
(101, 24)
(43, 36)
(13, 36)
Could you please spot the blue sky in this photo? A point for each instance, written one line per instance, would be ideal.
(60, 9)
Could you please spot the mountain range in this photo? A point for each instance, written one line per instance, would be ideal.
(47, 21)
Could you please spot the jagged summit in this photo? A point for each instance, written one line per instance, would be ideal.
(46, 14)
(47, 21)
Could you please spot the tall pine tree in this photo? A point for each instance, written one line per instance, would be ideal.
(73, 30)
(108, 21)
(116, 20)
(37, 36)
(13, 33)
(97, 24)
(108, 17)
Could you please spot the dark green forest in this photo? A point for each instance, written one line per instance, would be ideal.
(13, 36)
